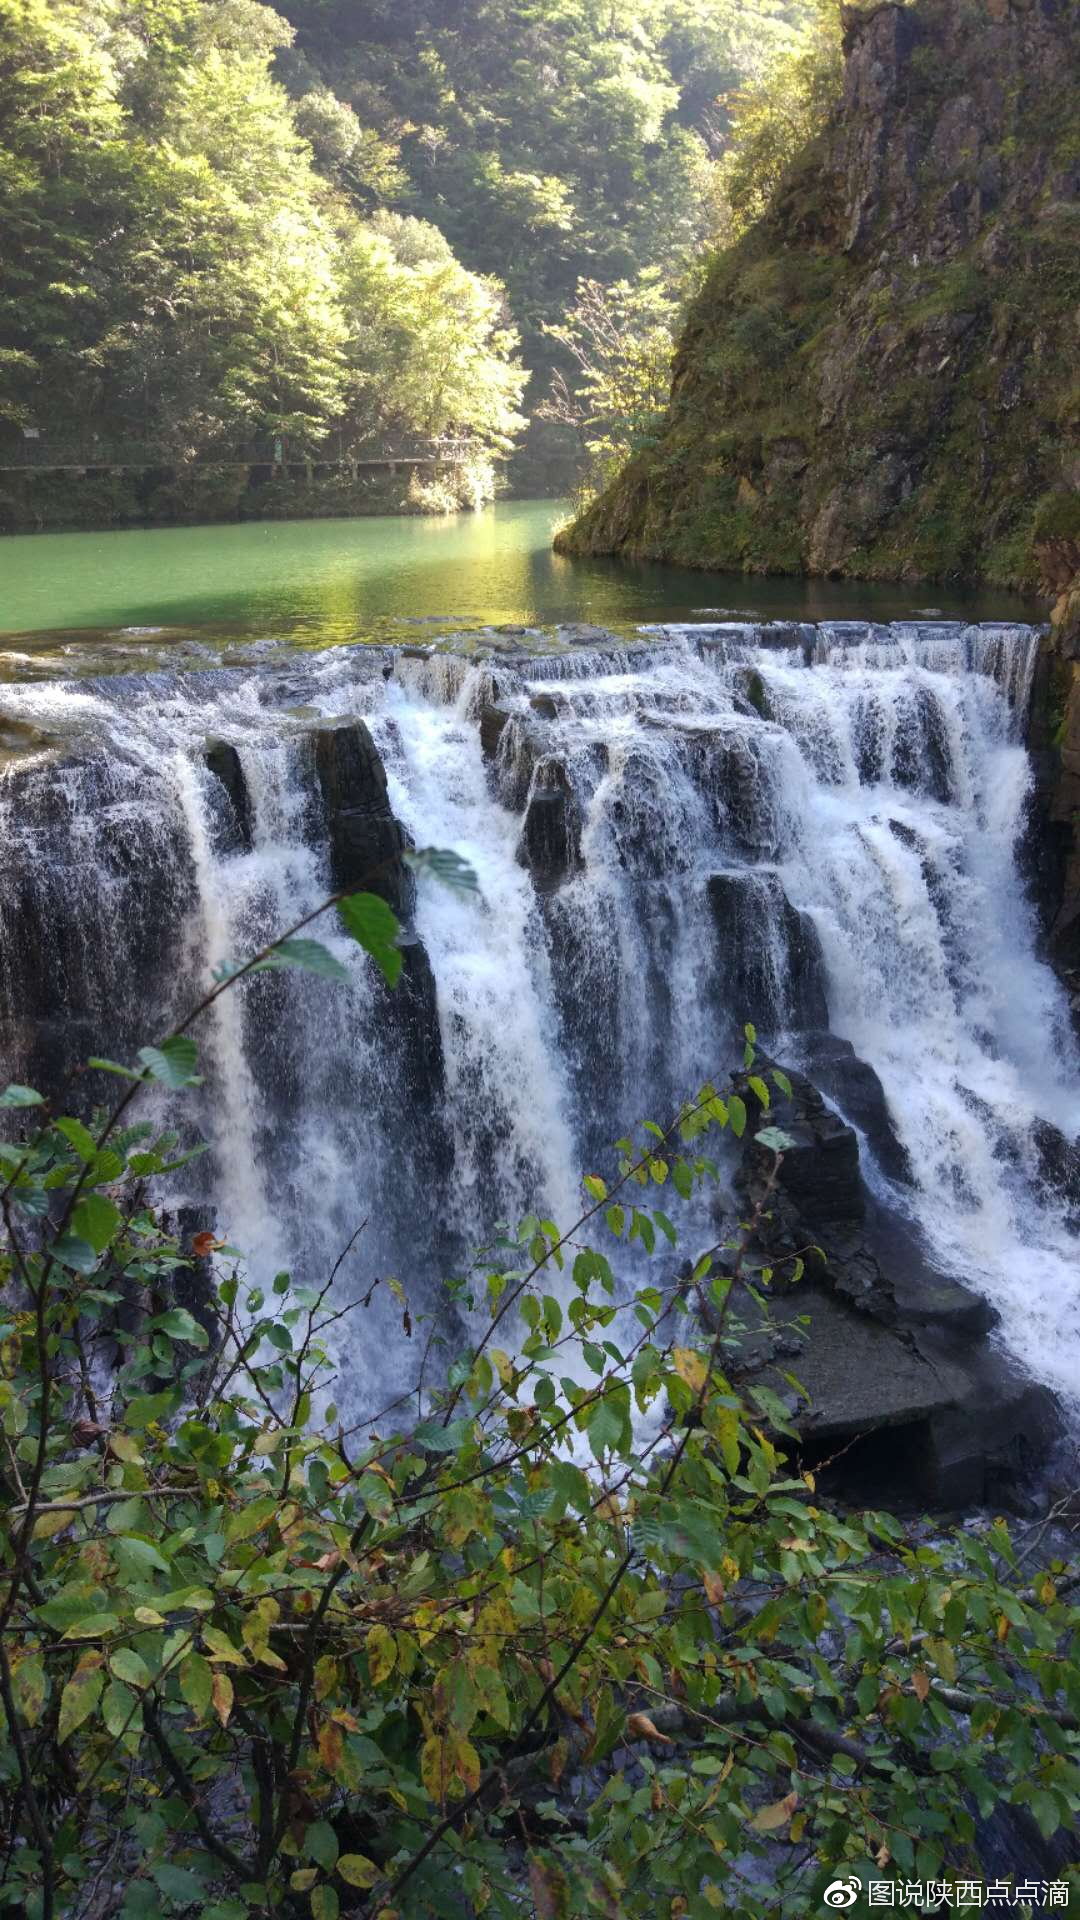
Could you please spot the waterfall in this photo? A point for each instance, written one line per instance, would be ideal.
(812, 827)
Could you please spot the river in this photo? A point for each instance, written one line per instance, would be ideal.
(320, 582)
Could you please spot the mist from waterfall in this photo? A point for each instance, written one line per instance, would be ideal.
(724, 785)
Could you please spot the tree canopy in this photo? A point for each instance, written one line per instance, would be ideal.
(223, 220)
(181, 264)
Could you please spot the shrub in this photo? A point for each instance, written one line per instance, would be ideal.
(568, 1635)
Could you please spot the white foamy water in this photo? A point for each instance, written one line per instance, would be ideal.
(870, 779)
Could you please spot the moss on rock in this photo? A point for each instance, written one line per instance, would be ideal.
(879, 379)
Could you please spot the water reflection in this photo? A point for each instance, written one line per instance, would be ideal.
(88, 600)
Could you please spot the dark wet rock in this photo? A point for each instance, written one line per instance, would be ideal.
(893, 1354)
(416, 1007)
(365, 840)
(493, 719)
(578, 634)
(550, 844)
(231, 819)
(1058, 1161)
(921, 761)
(788, 636)
(19, 737)
(730, 772)
(820, 1174)
(770, 967)
(852, 1084)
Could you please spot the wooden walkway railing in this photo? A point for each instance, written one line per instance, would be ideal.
(51, 453)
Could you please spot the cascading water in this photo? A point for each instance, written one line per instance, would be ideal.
(810, 827)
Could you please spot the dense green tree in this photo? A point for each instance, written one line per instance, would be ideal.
(187, 263)
(553, 142)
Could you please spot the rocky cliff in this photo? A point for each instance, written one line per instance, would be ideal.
(880, 378)
(1055, 743)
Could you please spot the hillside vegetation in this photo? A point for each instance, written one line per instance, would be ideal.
(878, 378)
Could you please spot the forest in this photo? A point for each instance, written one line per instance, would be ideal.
(353, 225)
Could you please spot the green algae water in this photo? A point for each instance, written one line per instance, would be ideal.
(75, 602)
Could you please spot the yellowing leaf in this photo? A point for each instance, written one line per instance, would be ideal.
(331, 1745)
(381, 1654)
(28, 1688)
(81, 1694)
(466, 1762)
(768, 1819)
(327, 1676)
(222, 1695)
(434, 1768)
(642, 1728)
(691, 1367)
(920, 1683)
(47, 1525)
(220, 1647)
(357, 1870)
(303, 1879)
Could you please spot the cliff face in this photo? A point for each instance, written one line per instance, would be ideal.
(880, 379)
(1055, 742)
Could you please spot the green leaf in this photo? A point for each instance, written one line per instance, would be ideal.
(324, 1903)
(251, 1519)
(320, 1844)
(775, 1139)
(445, 865)
(173, 1063)
(96, 1221)
(177, 1883)
(436, 1439)
(737, 1112)
(151, 1406)
(139, 1556)
(16, 1096)
(196, 1684)
(75, 1253)
(78, 1137)
(605, 1427)
(128, 1665)
(376, 928)
(179, 1324)
(119, 1709)
(310, 955)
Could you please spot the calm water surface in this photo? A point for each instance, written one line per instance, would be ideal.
(71, 600)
